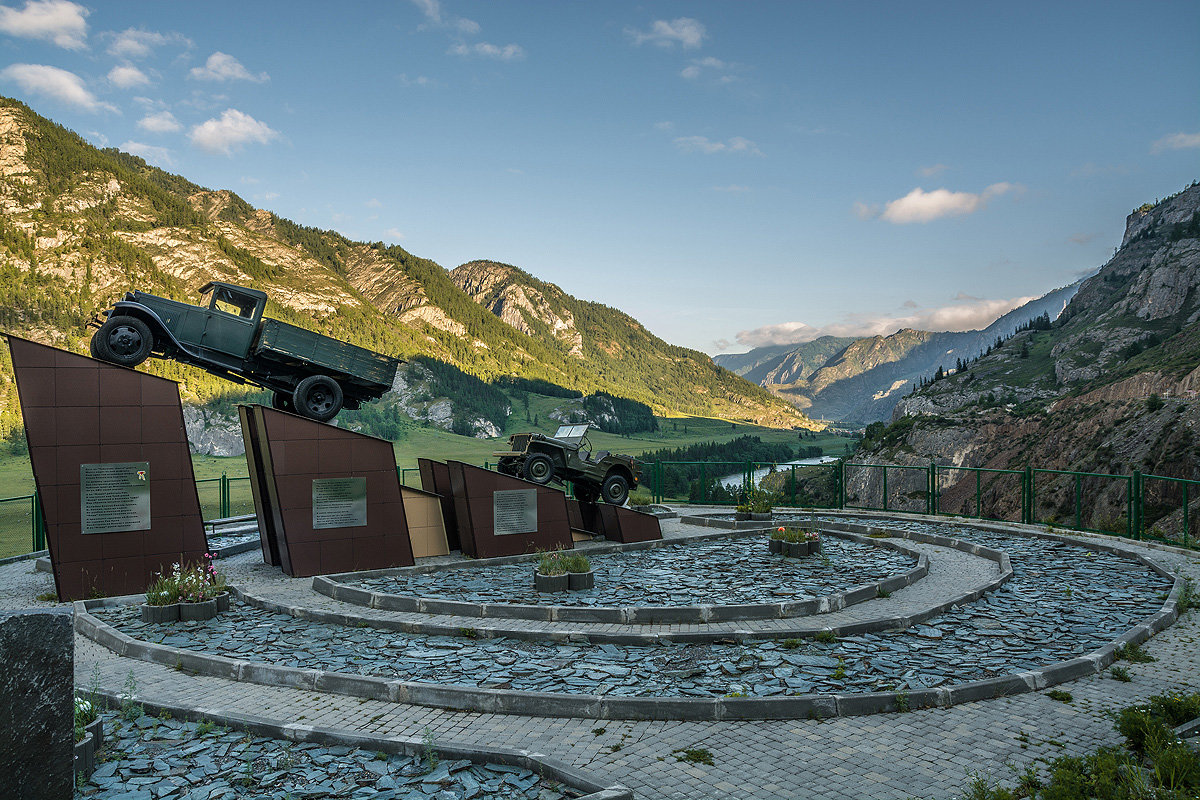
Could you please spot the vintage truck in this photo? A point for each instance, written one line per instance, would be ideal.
(311, 374)
(568, 456)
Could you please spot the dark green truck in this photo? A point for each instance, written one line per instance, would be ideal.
(311, 374)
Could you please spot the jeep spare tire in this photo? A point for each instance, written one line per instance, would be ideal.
(123, 340)
(318, 397)
(615, 490)
(538, 468)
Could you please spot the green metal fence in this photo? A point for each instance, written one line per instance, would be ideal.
(1154, 506)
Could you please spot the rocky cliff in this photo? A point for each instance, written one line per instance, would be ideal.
(1109, 388)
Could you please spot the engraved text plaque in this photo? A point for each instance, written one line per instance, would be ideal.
(514, 511)
(339, 503)
(114, 497)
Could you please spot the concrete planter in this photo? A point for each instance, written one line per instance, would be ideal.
(551, 583)
(741, 516)
(776, 546)
(577, 581)
(96, 729)
(85, 756)
(758, 516)
(814, 546)
(197, 612)
(160, 613)
(798, 549)
(222, 602)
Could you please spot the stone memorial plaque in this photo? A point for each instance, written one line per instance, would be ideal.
(114, 497)
(514, 511)
(339, 503)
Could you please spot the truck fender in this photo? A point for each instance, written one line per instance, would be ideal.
(151, 318)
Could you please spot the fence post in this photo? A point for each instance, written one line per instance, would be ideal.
(1027, 496)
(794, 486)
(223, 496)
(1185, 515)
(1134, 526)
(979, 493)
(703, 483)
(885, 493)
(930, 505)
(841, 484)
(1078, 501)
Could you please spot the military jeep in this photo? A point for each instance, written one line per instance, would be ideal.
(568, 456)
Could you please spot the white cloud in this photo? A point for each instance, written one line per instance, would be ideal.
(228, 133)
(373, 203)
(732, 188)
(1176, 141)
(702, 144)
(270, 195)
(664, 126)
(419, 80)
(133, 43)
(432, 10)
(394, 234)
(922, 206)
(224, 67)
(965, 315)
(162, 122)
(66, 87)
(58, 21)
(509, 52)
(684, 31)
(127, 77)
(698, 65)
(158, 156)
(930, 171)
(1082, 238)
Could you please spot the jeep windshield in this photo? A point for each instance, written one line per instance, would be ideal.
(571, 434)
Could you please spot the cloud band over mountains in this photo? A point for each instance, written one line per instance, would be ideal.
(965, 314)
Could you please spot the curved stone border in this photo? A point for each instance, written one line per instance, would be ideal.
(804, 625)
(552, 704)
(333, 586)
(545, 766)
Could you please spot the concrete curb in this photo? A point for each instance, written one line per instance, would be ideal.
(553, 704)
(23, 557)
(334, 586)
(544, 765)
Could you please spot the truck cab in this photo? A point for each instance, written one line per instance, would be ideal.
(234, 314)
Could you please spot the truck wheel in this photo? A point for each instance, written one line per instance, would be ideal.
(615, 490)
(282, 401)
(125, 341)
(538, 469)
(318, 397)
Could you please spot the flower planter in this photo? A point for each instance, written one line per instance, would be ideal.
(551, 583)
(798, 549)
(814, 546)
(160, 613)
(758, 516)
(96, 729)
(577, 581)
(197, 612)
(775, 545)
(222, 602)
(85, 756)
(741, 516)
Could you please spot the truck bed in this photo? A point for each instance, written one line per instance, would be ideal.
(288, 343)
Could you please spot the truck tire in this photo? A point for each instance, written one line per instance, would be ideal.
(125, 341)
(615, 490)
(318, 397)
(282, 401)
(538, 468)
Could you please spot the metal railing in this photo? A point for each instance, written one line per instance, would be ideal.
(1154, 506)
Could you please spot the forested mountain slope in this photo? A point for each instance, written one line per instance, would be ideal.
(80, 226)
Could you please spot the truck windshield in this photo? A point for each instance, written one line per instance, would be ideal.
(231, 302)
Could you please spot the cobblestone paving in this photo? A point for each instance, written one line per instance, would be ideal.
(158, 757)
(920, 754)
(1062, 602)
(722, 571)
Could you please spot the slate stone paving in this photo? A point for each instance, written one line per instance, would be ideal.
(1063, 601)
(721, 571)
(150, 758)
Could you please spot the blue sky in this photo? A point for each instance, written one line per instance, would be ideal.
(731, 174)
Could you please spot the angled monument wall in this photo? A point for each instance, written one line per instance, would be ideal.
(112, 467)
(329, 499)
(499, 515)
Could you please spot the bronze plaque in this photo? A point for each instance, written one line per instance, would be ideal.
(514, 511)
(114, 497)
(339, 503)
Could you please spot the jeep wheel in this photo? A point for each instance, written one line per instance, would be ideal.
(538, 469)
(318, 397)
(615, 490)
(124, 341)
(282, 401)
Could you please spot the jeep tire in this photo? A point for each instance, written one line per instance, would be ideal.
(538, 468)
(615, 490)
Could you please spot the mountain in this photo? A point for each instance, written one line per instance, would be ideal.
(1110, 387)
(861, 380)
(80, 226)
